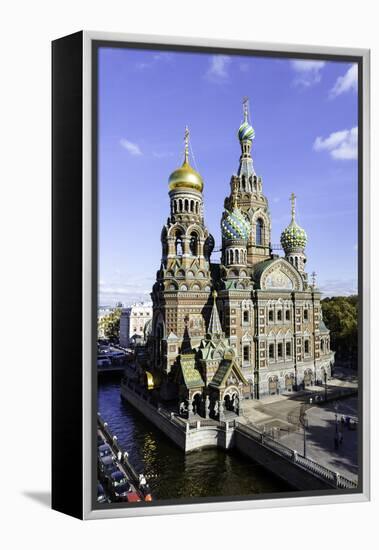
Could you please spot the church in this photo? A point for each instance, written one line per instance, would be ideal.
(245, 326)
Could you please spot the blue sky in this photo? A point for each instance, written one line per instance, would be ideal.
(305, 116)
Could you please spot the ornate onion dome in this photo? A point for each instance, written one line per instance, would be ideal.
(246, 132)
(235, 226)
(185, 176)
(293, 237)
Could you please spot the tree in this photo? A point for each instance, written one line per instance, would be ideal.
(340, 314)
(109, 325)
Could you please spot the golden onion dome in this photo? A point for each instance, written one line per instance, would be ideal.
(185, 176)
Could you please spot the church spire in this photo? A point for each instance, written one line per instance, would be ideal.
(246, 135)
(214, 327)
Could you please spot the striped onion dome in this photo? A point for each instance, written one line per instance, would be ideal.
(293, 237)
(246, 132)
(235, 226)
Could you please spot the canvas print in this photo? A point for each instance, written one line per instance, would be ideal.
(227, 237)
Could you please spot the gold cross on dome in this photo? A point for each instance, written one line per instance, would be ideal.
(186, 144)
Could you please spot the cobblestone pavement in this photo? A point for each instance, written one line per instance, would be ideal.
(279, 415)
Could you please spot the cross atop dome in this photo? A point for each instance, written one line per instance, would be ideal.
(245, 103)
(293, 205)
(186, 144)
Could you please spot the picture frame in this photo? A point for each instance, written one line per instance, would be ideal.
(75, 275)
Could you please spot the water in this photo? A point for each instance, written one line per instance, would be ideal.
(173, 474)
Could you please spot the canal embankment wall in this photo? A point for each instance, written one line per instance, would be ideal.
(300, 472)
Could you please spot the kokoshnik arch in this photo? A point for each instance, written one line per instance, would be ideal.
(248, 326)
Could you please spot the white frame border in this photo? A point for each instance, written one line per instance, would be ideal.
(88, 512)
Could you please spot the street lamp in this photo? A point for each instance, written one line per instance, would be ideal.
(304, 423)
(336, 425)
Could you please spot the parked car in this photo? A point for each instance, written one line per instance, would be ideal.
(103, 361)
(101, 496)
(104, 450)
(118, 478)
(107, 465)
(132, 496)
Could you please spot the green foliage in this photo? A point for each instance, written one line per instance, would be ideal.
(109, 325)
(340, 315)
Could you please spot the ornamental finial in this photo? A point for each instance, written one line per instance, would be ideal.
(313, 275)
(293, 206)
(186, 144)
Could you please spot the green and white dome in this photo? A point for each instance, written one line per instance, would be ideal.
(293, 237)
(235, 226)
(246, 132)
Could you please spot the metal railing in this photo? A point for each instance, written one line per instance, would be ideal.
(314, 468)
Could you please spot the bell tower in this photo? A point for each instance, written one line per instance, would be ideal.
(247, 194)
(181, 294)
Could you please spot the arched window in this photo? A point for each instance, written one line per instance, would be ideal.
(179, 245)
(279, 315)
(271, 351)
(288, 349)
(259, 232)
(193, 244)
(306, 346)
(280, 350)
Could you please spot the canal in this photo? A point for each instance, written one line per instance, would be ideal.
(171, 473)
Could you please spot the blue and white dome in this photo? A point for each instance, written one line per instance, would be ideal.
(235, 226)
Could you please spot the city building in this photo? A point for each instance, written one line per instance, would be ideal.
(134, 323)
(247, 326)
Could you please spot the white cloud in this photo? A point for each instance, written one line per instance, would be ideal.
(162, 56)
(244, 67)
(345, 83)
(127, 293)
(218, 69)
(131, 147)
(335, 287)
(342, 145)
(308, 72)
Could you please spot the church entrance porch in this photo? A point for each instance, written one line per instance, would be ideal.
(232, 400)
